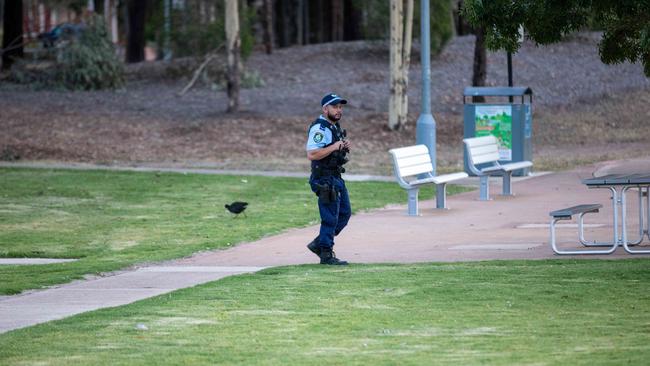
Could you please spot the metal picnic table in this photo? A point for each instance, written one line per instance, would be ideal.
(619, 184)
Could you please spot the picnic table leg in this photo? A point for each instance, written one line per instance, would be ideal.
(641, 229)
(583, 241)
(572, 252)
(647, 206)
(624, 226)
(615, 202)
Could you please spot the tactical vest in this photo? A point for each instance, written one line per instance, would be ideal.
(328, 165)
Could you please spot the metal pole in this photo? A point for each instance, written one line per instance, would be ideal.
(510, 73)
(425, 128)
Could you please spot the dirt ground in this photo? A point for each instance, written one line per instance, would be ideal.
(584, 111)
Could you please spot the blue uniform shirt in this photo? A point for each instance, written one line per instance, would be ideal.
(319, 136)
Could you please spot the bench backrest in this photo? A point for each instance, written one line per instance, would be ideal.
(411, 160)
(482, 149)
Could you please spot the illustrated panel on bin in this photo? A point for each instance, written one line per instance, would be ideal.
(495, 120)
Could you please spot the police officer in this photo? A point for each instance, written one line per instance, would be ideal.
(327, 150)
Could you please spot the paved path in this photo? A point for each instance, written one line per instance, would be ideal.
(503, 228)
(115, 290)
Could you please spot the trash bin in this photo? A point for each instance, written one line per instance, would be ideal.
(506, 113)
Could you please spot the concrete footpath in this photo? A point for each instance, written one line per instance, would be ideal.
(515, 227)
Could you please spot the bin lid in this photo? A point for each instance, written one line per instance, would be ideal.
(498, 91)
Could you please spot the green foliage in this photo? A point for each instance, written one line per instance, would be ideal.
(377, 18)
(377, 24)
(83, 63)
(441, 22)
(625, 24)
(193, 36)
(91, 62)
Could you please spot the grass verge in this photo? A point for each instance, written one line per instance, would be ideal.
(517, 312)
(110, 220)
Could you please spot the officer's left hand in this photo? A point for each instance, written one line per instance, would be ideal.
(345, 145)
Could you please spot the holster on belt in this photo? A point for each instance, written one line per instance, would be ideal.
(326, 193)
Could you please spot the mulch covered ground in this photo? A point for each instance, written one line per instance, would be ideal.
(583, 108)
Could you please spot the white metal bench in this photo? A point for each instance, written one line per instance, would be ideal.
(485, 150)
(413, 168)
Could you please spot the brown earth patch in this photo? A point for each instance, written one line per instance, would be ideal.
(148, 123)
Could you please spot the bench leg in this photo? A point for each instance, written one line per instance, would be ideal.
(572, 252)
(441, 195)
(581, 235)
(413, 201)
(485, 188)
(507, 183)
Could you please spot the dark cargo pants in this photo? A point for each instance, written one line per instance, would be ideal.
(334, 215)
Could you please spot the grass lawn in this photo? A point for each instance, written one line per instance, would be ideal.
(110, 220)
(566, 312)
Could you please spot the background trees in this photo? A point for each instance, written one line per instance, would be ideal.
(625, 24)
(198, 27)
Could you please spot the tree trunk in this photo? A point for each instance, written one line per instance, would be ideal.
(337, 20)
(233, 45)
(136, 10)
(268, 26)
(98, 6)
(285, 23)
(35, 26)
(320, 22)
(396, 49)
(12, 40)
(298, 4)
(114, 23)
(479, 68)
(353, 21)
(406, 61)
(203, 13)
(167, 30)
(305, 16)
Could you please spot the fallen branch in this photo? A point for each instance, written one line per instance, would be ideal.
(209, 57)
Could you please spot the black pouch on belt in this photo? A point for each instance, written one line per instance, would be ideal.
(326, 193)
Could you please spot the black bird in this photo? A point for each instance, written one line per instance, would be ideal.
(237, 207)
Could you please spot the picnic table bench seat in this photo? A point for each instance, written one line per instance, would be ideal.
(567, 214)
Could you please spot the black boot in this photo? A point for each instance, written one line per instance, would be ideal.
(314, 246)
(327, 256)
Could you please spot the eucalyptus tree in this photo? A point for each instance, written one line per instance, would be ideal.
(233, 49)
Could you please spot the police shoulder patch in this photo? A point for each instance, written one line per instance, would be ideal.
(318, 137)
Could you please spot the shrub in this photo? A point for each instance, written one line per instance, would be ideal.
(84, 62)
(91, 62)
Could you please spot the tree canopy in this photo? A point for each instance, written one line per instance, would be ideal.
(625, 24)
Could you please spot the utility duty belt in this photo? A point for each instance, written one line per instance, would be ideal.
(320, 171)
